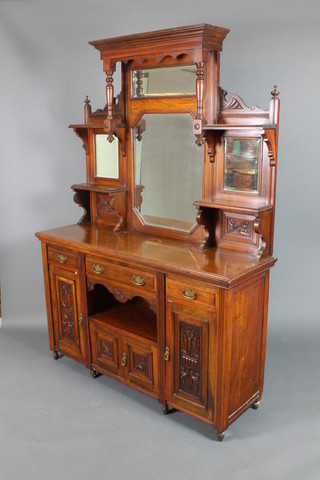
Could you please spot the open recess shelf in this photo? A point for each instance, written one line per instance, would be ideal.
(134, 318)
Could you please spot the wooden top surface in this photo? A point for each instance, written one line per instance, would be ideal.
(219, 267)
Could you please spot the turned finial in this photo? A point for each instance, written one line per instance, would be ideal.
(275, 92)
(87, 109)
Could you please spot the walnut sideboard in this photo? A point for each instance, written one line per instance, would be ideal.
(163, 283)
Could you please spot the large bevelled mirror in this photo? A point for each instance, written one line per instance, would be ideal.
(167, 171)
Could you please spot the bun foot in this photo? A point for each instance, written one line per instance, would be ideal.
(255, 405)
(220, 436)
(166, 410)
(56, 355)
(95, 374)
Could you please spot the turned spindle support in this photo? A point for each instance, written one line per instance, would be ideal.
(87, 110)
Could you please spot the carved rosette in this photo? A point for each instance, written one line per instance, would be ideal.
(106, 349)
(190, 361)
(140, 363)
(67, 311)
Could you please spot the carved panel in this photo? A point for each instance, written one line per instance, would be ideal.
(105, 204)
(67, 314)
(140, 363)
(237, 227)
(111, 208)
(242, 228)
(190, 359)
(106, 349)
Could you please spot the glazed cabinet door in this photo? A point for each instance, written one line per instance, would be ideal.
(190, 359)
(66, 313)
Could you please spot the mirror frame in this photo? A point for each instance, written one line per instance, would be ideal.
(165, 222)
(104, 181)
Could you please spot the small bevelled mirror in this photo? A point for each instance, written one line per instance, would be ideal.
(168, 171)
(169, 81)
(106, 157)
(242, 157)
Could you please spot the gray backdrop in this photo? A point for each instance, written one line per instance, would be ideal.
(46, 69)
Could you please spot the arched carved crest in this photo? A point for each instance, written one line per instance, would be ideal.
(236, 104)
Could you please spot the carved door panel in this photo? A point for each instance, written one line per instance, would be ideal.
(66, 311)
(105, 348)
(141, 364)
(190, 348)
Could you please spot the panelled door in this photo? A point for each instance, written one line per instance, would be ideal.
(66, 312)
(190, 358)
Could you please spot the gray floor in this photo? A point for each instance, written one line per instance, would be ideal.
(57, 422)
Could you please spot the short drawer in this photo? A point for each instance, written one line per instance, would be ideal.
(63, 258)
(132, 277)
(191, 292)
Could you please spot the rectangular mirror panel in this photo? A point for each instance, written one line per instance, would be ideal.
(165, 81)
(107, 157)
(242, 157)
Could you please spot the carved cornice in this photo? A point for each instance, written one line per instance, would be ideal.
(193, 40)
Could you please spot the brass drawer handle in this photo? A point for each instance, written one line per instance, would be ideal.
(137, 280)
(124, 359)
(98, 269)
(61, 258)
(167, 353)
(189, 294)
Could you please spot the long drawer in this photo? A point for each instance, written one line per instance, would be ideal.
(131, 277)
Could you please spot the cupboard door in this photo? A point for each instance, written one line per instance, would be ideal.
(67, 316)
(141, 364)
(105, 348)
(190, 346)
